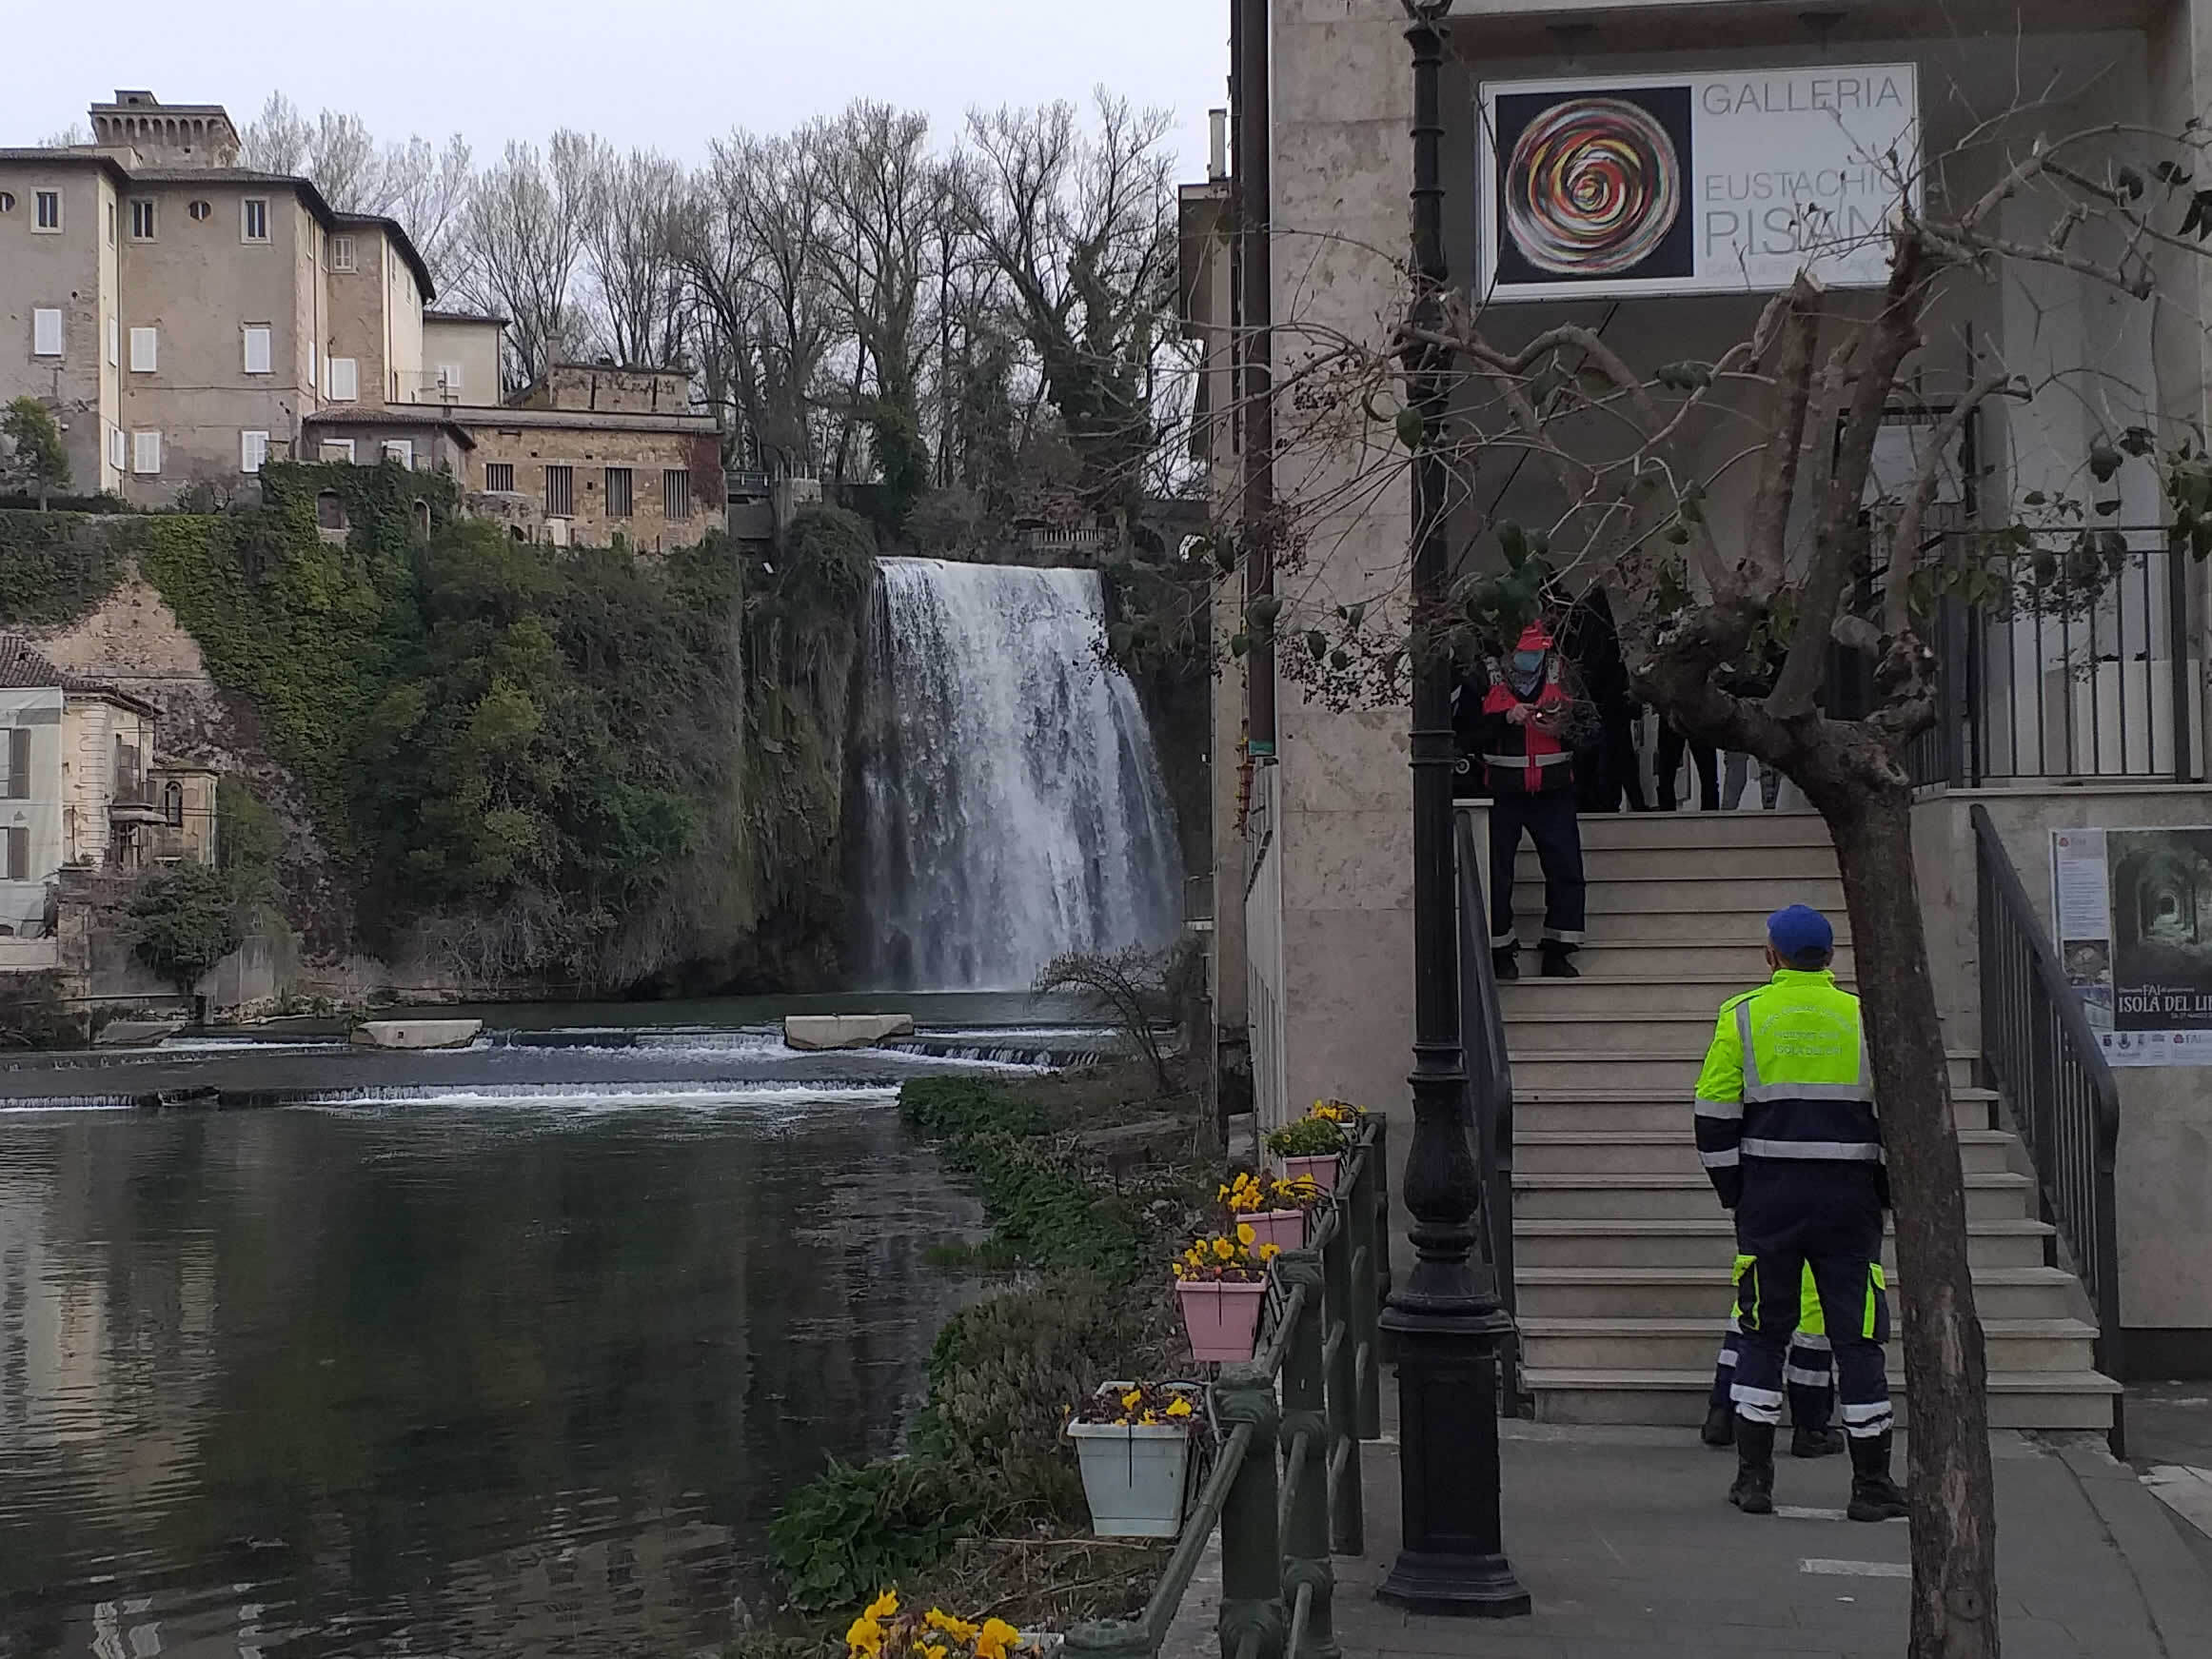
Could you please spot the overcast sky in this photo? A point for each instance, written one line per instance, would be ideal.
(666, 74)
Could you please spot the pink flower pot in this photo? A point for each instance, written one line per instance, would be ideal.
(1284, 1228)
(1220, 1319)
(1322, 1169)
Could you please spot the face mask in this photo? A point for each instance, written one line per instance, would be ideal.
(1527, 671)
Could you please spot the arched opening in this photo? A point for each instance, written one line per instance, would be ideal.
(516, 531)
(421, 518)
(330, 510)
(172, 805)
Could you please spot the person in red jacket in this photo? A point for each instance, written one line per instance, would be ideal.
(1522, 727)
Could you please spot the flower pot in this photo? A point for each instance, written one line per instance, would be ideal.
(1322, 1169)
(1134, 1477)
(1284, 1228)
(1220, 1319)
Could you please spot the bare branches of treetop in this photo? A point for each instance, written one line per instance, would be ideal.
(982, 317)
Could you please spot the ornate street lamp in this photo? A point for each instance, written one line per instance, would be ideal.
(1444, 1326)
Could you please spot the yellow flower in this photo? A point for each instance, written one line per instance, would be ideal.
(864, 1636)
(1245, 1234)
(1130, 1400)
(1224, 1250)
(884, 1606)
(1179, 1407)
(1149, 1420)
(959, 1630)
(938, 1651)
(996, 1640)
(1268, 1252)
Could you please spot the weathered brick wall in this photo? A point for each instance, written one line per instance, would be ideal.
(531, 449)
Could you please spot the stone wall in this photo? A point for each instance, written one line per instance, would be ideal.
(588, 453)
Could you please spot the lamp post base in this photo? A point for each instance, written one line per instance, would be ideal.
(1468, 1586)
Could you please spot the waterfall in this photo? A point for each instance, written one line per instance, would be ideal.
(1010, 800)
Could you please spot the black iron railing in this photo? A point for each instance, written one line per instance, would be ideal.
(1285, 1489)
(2044, 1058)
(2069, 656)
(1489, 1090)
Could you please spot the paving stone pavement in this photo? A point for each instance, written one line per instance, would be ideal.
(1623, 1538)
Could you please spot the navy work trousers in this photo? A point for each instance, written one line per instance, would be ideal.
(1550, 823)
(1826, 1214)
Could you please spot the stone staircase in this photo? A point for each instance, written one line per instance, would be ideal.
(1622, 1253)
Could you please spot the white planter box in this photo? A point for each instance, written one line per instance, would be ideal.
(1134, 1477)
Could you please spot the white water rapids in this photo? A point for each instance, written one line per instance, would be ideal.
(1012, 805)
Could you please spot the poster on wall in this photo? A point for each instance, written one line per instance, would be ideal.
(2134, 911)
(1619, 185)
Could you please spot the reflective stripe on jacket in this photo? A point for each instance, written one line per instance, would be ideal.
(1785, 1078)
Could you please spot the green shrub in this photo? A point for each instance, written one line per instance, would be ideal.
(184, 922)
(35, 1014)
(56, 567)
(1307, 1138)
(854, 1529)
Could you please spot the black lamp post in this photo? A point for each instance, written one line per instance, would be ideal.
(1444, 1325)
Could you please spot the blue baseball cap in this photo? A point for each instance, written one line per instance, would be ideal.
(1800, 933)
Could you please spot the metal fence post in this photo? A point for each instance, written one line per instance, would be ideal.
(1347, 1514)
(1305, 1440)
(1367, 1213)
(1253, 1624)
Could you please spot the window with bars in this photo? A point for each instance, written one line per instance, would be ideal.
(561, 492)
(499, 475)
(18, 780)
(676, 495)
(618, 492)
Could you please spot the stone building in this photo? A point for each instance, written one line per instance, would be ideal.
(1317, 832)
(187, 319)
(82, 788)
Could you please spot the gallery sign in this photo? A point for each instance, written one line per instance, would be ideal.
(2134, 911)
(1631, 185)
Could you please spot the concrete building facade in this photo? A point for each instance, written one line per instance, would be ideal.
(1319, 841)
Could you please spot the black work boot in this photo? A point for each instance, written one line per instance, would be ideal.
(1874, 1495)
(1720, 1426)
(1754, 1490)
(1506, 961)
(1806, 1442)
(1558, 963)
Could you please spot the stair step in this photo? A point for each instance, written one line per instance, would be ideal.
(1658, 1293)
(1689, 923)
(1607, 988)
(2036, 1399)
(1990, 1197)
(1740, 962)
(1704, 829)
(1669, 1071)
(1722, 887)
(1639, 1112)
(1603, 1151)
(1709, 1239)
(2062, 1344)
(1605, 864)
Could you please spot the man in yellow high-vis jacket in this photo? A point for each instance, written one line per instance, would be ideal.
(1787, 1129)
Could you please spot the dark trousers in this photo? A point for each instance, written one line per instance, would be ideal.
(1826, 1216)
(1551, 822)
(1608, 771)
(1704, 757)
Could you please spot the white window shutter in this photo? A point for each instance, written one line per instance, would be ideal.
(146, 452)
(118, 448)
(145, 351)
(257, 348)
(449, 376)
(46, 331)
(253, 450)
(114, 342)
(344, 380)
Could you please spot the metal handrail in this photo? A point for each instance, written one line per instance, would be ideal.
(2045, 1059)
(1284, 1515)
(1490, 1091)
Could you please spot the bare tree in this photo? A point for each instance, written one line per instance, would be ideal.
(426, 187)
(74, 136)
(1081, 225)
(629, 208)
(749, 241)
(525, 236)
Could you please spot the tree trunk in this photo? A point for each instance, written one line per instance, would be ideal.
(1954, 1520)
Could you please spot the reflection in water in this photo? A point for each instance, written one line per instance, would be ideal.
(436, 1378)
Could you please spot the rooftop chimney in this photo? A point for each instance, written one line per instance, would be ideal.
(168, 136)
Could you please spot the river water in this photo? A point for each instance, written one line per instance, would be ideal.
(508, 1352)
